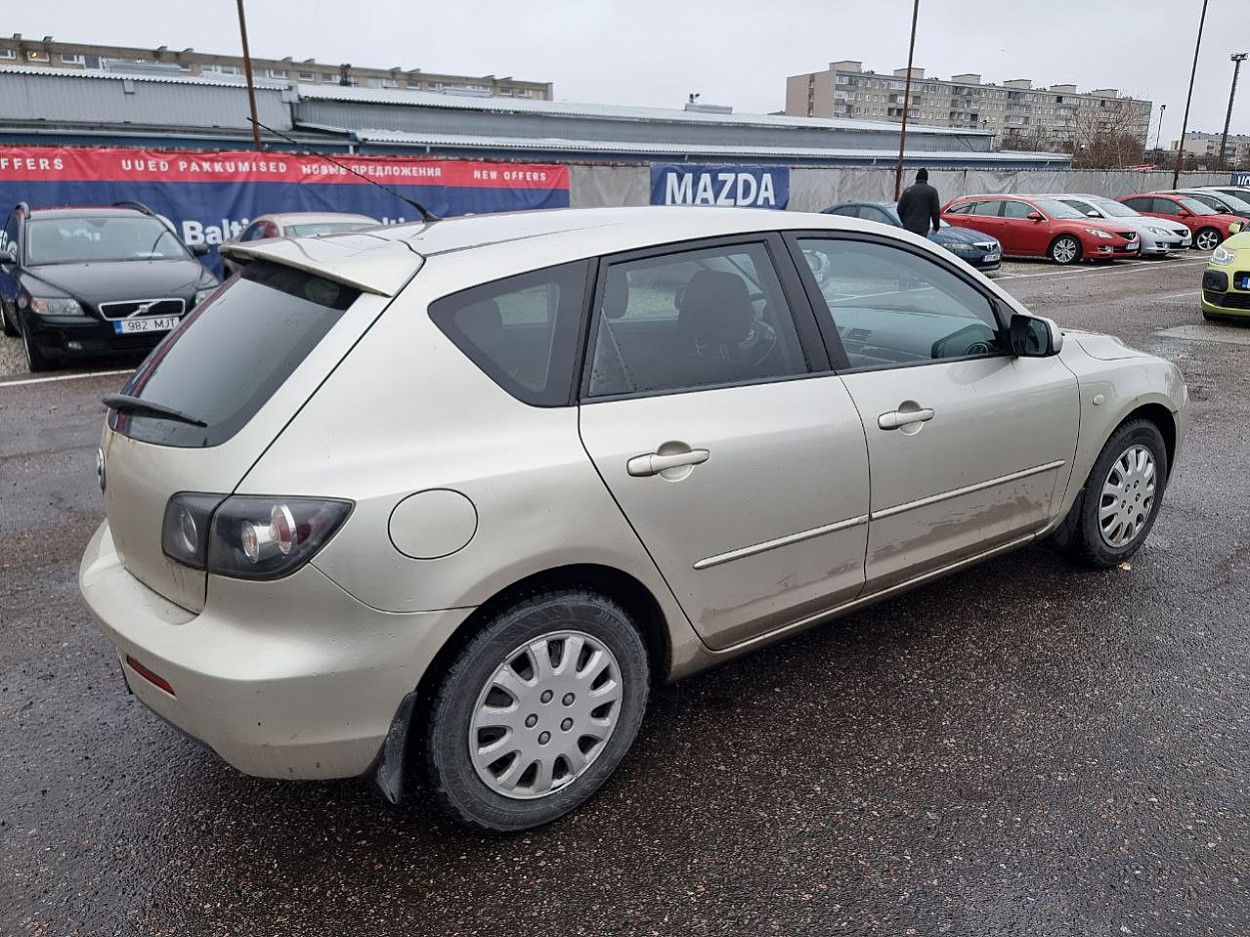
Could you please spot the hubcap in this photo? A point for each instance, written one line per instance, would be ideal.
(545, 714)
(1065, 251)
(1128, 497)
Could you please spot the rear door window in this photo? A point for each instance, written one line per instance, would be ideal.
(521, 331)
(226, 358)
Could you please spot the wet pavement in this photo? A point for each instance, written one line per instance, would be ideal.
(1024, 748)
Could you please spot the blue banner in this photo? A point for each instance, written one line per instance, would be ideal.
(1241, 179)
(739, 186)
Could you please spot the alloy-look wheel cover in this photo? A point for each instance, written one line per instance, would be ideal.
(1065, 250)
(545, 714)
(1208, 241)
(1128, 497)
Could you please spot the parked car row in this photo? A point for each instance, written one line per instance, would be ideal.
(1071, 227)
(92, 281)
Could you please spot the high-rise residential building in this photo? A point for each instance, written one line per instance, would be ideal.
(1045, 118)
(49, 53)
(1205, 147)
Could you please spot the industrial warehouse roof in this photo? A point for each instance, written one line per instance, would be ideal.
(223, 81)
(622, 147)
(42, 105)
(613, 111)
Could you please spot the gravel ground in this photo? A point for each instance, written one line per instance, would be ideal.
(12, 358)
(1021, 749)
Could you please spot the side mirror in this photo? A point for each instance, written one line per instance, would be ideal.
(1223, 210)
(1035, 216)
(1035, 336)
(1182, 213)
(199, 250)
(1092, 214)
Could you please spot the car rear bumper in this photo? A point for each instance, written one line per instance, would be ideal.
(286, 679)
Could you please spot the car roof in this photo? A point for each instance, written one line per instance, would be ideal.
(382, 260)
(312, 217)
(92, 211)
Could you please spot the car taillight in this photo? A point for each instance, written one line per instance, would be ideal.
(247, 537)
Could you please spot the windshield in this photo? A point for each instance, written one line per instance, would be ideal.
(231, 354)
(1240, 206)
(1197, 207)
(1057, 209)
(315, 229)
(100, 239)
(1114, 209)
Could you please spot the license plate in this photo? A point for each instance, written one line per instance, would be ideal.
(151, 324)
(991, 258)
(1243, 282)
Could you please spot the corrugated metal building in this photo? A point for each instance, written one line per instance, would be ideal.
(50, 106)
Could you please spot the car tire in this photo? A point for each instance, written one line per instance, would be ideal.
(36, 358)
(1065, 250)
(1207, 239)
(566, 625)
(1137, 454)
(6, 322)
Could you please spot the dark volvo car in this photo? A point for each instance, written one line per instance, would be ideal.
(94, 281)
(980, 250)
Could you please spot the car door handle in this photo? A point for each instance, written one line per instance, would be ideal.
(895, 419)
(653, 463)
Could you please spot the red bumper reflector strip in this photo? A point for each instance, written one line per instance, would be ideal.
(149, 676)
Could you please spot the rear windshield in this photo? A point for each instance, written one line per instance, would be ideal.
(230, 354)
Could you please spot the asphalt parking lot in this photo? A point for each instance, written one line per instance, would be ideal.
(1024, 748)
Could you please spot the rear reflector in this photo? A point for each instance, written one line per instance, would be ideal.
(149, 676)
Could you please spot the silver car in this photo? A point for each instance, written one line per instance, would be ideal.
(470, 489)
(1159, 237)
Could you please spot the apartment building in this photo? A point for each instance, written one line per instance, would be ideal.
(1015, 111)
(1205, 147)
(50, 53)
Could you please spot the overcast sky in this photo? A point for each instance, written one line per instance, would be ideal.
(736, 52)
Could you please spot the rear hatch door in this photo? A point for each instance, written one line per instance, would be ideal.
(242, 365)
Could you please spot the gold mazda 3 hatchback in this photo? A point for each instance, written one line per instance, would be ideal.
(470, 489)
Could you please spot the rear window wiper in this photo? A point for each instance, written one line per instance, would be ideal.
(128, 404)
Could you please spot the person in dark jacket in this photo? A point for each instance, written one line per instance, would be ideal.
(919, 207)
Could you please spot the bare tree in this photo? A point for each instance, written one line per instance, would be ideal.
(1106, 137)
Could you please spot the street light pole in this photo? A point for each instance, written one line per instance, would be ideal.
(1237, 59)
(902, 135)
(247, 70)
(1159, 129)
(1180, 153)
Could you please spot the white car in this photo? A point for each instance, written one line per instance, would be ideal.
(450, 498)
(1159, 237)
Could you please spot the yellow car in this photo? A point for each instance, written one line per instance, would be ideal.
(1226, 281)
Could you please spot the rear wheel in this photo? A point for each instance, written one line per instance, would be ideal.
(1116, 509)
(537, 711)
(1065, 249)
(1207, 239)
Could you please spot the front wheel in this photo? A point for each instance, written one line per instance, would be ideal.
(1065, 250)
(1208, 239)
(1115, 511)
(537, 711)
(36, 358)
(6, 322)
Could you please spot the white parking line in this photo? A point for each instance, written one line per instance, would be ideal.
(63, 377)
(1126, 266)
(1184, 295)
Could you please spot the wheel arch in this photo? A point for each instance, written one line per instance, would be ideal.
(1080, 245)
(1162, 418)
(398, 761)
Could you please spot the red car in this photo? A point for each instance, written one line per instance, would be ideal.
(1209, 226)
(1031, 226)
